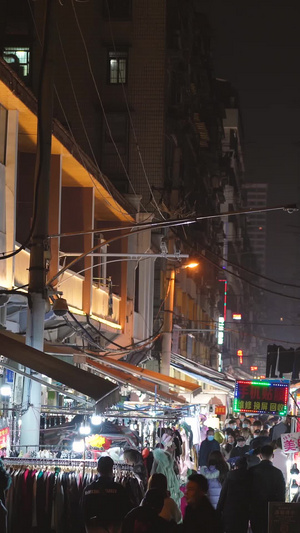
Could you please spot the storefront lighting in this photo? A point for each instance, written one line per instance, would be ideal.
(5, 391)
(85, 430)
(96, 420)
(78, 446)
(109, 323)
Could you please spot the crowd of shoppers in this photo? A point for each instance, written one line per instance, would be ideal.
(229, 494)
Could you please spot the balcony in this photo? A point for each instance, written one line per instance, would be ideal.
(71, 285)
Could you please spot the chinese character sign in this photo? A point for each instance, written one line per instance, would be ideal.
(4, 434)
(261, 396)
(290, 442)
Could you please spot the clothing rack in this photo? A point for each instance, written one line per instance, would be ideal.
(78, 463)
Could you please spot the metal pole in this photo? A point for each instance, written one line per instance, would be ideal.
(166, 343)
(30, 429)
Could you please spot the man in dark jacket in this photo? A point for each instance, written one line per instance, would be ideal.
(240, 449)
(233, 504)
(266, 484)
(200, 514)
(207, 446)
(105, 503)
(260, 440)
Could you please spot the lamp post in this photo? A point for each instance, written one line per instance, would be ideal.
(166, 344)
(6, 394)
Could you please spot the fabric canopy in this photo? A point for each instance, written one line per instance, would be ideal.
(97, 388)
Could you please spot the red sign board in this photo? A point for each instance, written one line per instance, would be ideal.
(4, 433)
(220, 410)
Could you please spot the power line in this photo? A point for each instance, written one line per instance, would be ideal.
(257, 274)
(100, 99)
(290, 208)
(80, 115)
(250, 283)
(137, 228)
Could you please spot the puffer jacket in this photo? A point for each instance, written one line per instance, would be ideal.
(214, 486)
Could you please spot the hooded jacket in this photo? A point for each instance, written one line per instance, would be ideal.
(214, 485)
(163, 464)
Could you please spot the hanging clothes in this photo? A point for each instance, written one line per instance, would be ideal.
(272, 354)
(47, 498)
(286, 361)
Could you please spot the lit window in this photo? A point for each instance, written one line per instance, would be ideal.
(18, 58)
(118, 67)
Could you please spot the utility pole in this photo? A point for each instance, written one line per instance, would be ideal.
(31, 406)
(166, 342)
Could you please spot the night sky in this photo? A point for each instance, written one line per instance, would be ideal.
(256, 46)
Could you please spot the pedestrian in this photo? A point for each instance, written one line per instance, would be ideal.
(5, 481)
(240, 449)
(232, 424)
(280, 458)
(164, 464)
(260, 440)
(200, 514)
(278, 428)
(233, 504)
(105, 503)
(145, 518)
(135, 459)
(215, 473)
(170, 510)
(266, 484)
(228, 445)
(245, 432)
(208, 445)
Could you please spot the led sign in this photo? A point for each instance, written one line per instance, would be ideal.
(236, 316)
(267, 396)
(253, 368)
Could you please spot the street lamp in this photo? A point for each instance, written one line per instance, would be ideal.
(6, 393)
(166, 345)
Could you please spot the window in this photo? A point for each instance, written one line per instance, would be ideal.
(3, 133)
(118, 61)
(18, 58)
(117, 9)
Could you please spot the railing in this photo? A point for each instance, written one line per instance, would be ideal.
(71, 285)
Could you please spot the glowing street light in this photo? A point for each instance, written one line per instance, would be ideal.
(193, 264)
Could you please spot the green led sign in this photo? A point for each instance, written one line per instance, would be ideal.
(267, 396)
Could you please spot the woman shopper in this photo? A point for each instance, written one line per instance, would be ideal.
(170, 510)
(228, 445)
(215, 473)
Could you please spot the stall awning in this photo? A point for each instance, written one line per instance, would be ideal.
(219, 380)
(150, 375)
(101, 390)
(139, 383)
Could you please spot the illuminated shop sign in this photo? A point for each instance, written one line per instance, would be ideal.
(267, 396)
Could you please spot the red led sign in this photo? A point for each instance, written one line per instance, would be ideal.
(267, 396)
